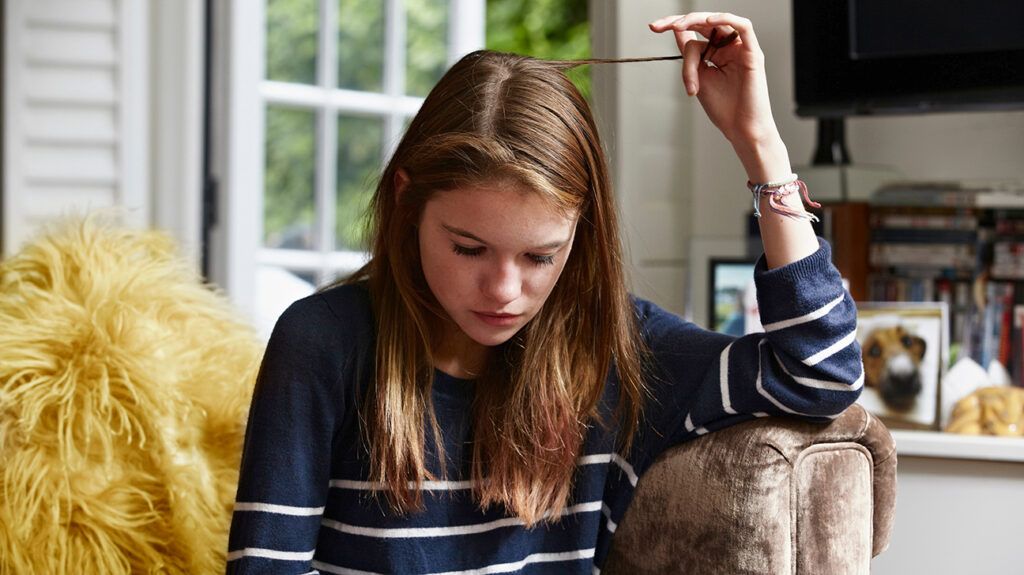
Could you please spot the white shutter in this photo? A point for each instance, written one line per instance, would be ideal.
(75, 121)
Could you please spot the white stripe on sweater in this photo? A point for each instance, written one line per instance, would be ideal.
(612, 526)
(338, 570)
(769, 397)
(723, 379)
(811, 316)
(533, 558)
(496, 568)
(447, 531)
(832, 349)
(279, 509)
(689, 425)
(270, 554)
(823, 383)
(597, 458)
(379, 486)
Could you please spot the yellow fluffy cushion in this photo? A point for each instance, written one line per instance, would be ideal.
(124, 386)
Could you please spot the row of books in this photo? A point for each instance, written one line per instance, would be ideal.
(1008, 244)
(995, 332)
(980, 194)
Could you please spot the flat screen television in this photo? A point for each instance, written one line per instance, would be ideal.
(859, 57)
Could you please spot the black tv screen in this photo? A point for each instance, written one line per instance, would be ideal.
(857, 57)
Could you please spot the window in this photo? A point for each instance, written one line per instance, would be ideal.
(338, 82)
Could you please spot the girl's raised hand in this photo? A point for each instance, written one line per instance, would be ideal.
(733, 90)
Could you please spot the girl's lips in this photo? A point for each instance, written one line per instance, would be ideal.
(497, 319)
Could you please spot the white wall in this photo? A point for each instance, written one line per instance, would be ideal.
(643, 116)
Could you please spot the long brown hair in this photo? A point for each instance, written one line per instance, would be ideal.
(496, 116)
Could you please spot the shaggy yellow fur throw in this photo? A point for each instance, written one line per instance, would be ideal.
(124, 389)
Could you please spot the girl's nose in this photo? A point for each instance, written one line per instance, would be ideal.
(504, 283)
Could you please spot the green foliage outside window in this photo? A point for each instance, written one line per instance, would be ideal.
(289, 200)
(549, 29)
(360, 44)
(426, 45)
(292, 40)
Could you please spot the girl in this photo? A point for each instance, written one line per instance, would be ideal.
(483, 395)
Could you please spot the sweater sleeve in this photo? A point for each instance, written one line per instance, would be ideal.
(807, 362)
(286, 458)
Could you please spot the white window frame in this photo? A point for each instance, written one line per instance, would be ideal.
(242, 96)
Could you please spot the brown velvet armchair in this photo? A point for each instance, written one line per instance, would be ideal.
(773, 495)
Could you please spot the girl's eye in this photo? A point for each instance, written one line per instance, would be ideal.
(474, 252)
(464, 251)
(542, 260)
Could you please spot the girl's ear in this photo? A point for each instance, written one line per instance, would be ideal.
(401, 183)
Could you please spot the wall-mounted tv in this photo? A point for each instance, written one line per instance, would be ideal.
(857, 57)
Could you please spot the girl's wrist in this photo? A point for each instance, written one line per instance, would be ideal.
(766, 161)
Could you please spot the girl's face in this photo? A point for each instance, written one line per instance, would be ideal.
(491, 255)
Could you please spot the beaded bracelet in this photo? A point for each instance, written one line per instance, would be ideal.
(778, 190)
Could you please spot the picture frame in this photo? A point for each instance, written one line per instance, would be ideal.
(905, 346)
(732, 296)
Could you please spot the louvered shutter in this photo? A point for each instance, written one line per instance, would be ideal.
(75, 96)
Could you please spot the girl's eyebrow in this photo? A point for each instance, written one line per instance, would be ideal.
(468, 235)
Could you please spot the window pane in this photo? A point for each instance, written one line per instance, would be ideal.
(361, 45)
(426, 47)
(289, 198)
(292, 40)
(359, 164)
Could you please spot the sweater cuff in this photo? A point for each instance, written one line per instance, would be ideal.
(797, 287)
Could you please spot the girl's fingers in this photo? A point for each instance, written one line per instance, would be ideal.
(711, 42)
(679, 22)
(740, 24)
(682, 23)
(727, 39)
(696, 22)
(691, 63)
(661, 24)
(718, 40)
(682, 38)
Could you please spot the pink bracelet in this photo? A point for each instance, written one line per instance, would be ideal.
(778, 190)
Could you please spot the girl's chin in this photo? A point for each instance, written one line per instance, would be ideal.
(488, 335)
(491, 339)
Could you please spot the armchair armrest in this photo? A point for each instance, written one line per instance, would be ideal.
(772, 495)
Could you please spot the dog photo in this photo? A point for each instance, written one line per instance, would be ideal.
(904, 347)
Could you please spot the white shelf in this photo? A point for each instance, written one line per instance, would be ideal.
(955, 446)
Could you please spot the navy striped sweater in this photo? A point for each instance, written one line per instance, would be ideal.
(304, 504)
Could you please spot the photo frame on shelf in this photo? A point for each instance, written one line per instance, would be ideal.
(701, 250)
(905, 346)
(732, 297)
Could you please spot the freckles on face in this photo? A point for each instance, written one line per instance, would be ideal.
(491, 256)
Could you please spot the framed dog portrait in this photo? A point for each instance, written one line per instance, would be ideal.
(904, 347)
